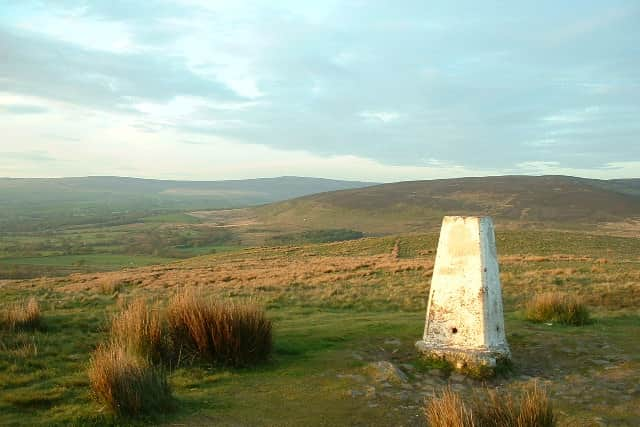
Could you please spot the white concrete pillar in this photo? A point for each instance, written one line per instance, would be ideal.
(465, 321)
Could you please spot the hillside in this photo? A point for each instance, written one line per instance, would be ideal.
(42, 203)
(418, 205)
(627, 186)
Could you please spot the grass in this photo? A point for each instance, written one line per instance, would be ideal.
(314, 236)
(449, 410)
(209, 249)
(223, 332)
(333, 307)
(194, 327)
(89, 260)
(558, 308)
(139, 329)
(21, 316)
(174, 218)
(129, 385)
(493, 409)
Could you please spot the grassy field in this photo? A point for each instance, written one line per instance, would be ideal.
(155, 240)
(338, 308)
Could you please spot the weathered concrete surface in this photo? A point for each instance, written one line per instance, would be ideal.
(465, 321)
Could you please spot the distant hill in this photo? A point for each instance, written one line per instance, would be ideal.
(416, 205)
(28, 204)
(627, 186)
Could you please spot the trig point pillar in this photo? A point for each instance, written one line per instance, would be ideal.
(465, 322)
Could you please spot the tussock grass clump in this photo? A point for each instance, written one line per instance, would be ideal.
(21, 316)
(557, 307)
(226, 333)
(139, 329)
(532, 409)
(127, 383)
(448, 410)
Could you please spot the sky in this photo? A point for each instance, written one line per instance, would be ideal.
(368, 90)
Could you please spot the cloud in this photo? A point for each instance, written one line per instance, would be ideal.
(575, 116)
(380, 116)
(51, 69)
(29, 156)
(458, 84)
(22, 109)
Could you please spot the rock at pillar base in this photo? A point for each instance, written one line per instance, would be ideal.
(475, 363)
(465, 321)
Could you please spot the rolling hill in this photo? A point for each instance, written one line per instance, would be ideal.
(409, 206)
(28, 204)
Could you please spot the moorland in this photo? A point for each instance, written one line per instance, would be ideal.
(344, 277)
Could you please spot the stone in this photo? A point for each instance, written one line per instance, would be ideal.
(370, 392)
(465, 321)
(385, 371)
(355, 393)
(457, 378)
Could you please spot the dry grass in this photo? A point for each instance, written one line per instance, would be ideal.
(364, 275)
(110, 285)
(127, 383)
(21, 316)
(228, 333)
(448, 410)
(139, 329)
(532, 409)
(557, 307)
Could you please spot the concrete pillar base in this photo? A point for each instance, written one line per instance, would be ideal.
(478, 363)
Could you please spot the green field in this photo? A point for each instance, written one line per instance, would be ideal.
(84, 249)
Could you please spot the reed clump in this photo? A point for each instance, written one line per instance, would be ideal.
(127, 383)
(140, 329)
(532, 408)
(557, 307)
(225, 333)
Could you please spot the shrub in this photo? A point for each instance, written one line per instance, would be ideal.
(21, 316)
(127, 383)
(532, 409)
(139, 329)
(557, 307)
(228, 333)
